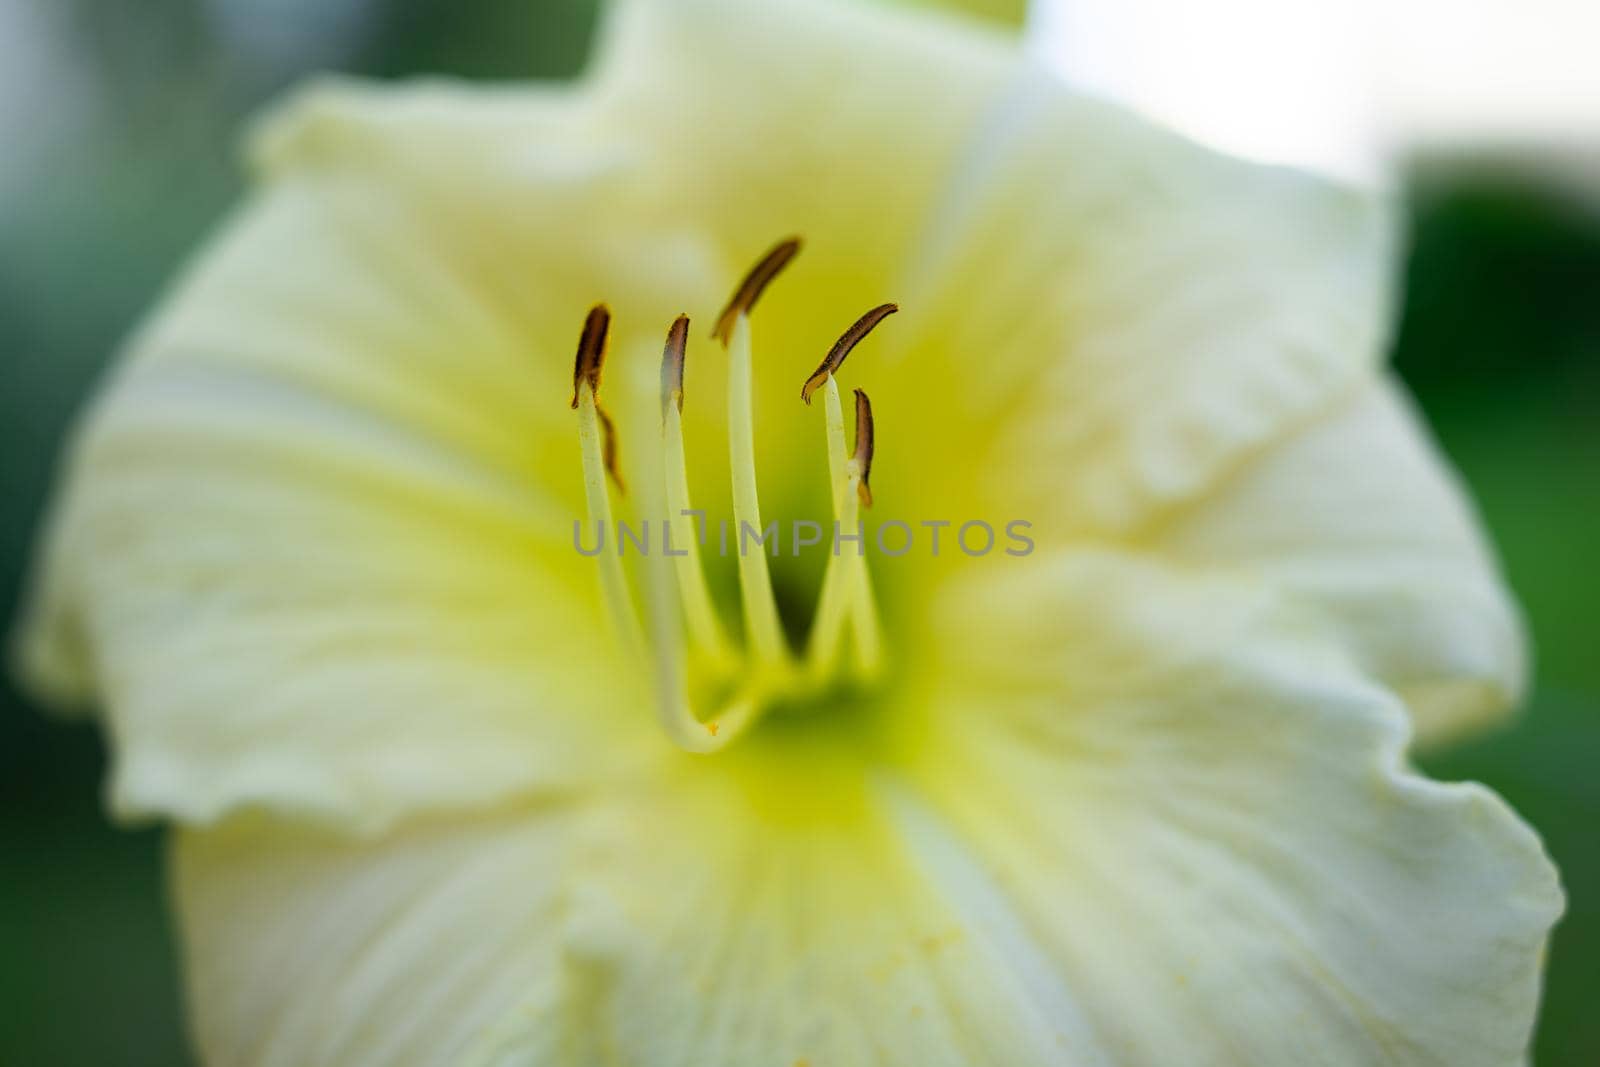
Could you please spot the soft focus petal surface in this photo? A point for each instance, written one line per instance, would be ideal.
(678, 929)
(1200, 807)
(316, 549)
(1357, 518)
(1105, 834)
(305, 949)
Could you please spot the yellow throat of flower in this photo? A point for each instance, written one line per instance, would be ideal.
(682, 627)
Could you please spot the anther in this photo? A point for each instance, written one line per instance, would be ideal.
(608, 448)
(863, 453)
(749, 291)
(591, 352)
(843, 347)
(672, 363)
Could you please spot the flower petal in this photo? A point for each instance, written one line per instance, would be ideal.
(1139, 314)
(1201, 811)
(306, 948)
(677, 928)
(1173, 844)
(836, 121)
(1357, 518)
(315, 551)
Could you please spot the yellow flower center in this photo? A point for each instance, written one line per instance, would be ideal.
(710, 689)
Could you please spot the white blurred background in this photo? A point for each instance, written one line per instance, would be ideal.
(1349, 88)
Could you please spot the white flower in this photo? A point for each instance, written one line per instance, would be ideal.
(1137, 798)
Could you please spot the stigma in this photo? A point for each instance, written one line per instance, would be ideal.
(713, 681)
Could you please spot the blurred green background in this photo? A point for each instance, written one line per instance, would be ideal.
(118, 124)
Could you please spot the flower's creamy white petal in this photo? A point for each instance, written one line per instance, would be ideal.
(838, 122)
(1138, 815)
(303, 948)
(687, 927)
(1171, 844)
(1195, 309)
(316, 548)
(1357, 517)
(1200, 810)
(796, 924)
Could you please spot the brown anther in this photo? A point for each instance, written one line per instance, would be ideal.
(608, 449)
(843, 346)
(672, 364)
(863, 454)
(749, 291)
(591, 352)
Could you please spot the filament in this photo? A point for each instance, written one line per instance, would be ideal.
(705, 627)
(612, 580)
(674, 708)
(762, 629)
(846, 585)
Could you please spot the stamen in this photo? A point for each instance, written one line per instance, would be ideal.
(749, 291)
(705, 627)
(828, 627)
(864, 445)
(846, 600)
(843, 347)
(591, 351)
(612, 580)
(763, 632)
